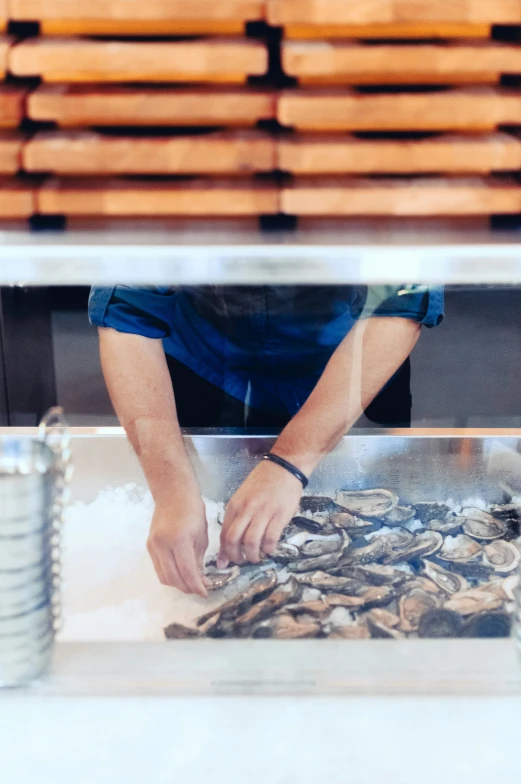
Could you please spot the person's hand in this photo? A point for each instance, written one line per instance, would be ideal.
(258, 513)
(177, 543)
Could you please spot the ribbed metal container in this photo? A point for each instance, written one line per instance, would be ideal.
(33, 478)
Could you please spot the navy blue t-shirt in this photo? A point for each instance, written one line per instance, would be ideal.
(264, 345)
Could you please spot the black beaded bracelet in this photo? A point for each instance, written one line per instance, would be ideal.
(288, 466)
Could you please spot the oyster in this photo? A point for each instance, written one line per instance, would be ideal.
(284, 627)
(367, 597)
(488, 624)
(355, 526)
(256, 591)
(289, 591)
(353, 631)
(440, 623)
(328, 582)
(218, 578)
(377, 549)
(423, 544)
(285, 552)
(318, 504)
(447, 581)
(481, 525)
(424, 584)
(177, 631)
(374, 574)
(450, 525)
(367, 503)
(430, 510)
(473, 601)
(399, 515)
(382, 624)
(309, 544)
(327, 561)
(502, 557)
(301, 523)
(459, 548)
(413, 605)
(317, 608)
(510, 586)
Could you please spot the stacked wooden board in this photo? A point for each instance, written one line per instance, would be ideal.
(185, 96)
(399, 108)
(174, 108)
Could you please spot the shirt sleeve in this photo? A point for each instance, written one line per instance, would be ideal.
(138, 311)
(420, 303)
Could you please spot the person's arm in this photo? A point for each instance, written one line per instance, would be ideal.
(140, 388)
(362, 364)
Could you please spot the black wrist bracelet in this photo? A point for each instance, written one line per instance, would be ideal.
(288, 466)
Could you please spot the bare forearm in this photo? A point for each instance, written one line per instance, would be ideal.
(365, 360)
(139, 385)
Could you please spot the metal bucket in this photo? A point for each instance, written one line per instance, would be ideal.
(34, 474)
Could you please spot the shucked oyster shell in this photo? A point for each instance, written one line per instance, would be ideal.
(365, 598)
(430, 510)
(399, 515)
(374, 551)
(328, 582)
(290, 591)
(473, 601)
(413, 605)
(382, 624)
(423, 544)
(373, 574)
(284, 627)
(482, 525)
(313, 545)
(218, 578)
(503, 557)
(459, 548)
(367, 503)
(355, 526)
(450, 582)
(259, 589)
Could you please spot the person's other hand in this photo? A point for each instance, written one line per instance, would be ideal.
(258, 513)
(177, 543)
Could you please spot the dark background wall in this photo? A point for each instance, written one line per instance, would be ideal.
(465, 373)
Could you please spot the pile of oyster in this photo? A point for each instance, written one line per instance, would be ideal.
(362, 566)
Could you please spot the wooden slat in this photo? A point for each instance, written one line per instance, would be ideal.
(5, 45)
(76, 106)
(407, 78)
(10, 152)
(12, 103)
(306, 155)
(208, 198)
(357, 63)
(75, 60)
(323, 12)
(3, 16)
(411, 30)
(17, 199)
(465, 109)
(133, 17)
(38, 10)
(402, 196)
(224, 153)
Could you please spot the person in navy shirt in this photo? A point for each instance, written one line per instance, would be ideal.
(308, 360)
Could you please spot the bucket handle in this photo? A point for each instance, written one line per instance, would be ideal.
(54, 432)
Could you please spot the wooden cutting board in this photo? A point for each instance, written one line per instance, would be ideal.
(133, 17)
(200, 60)
(224, 153)
(405, 197)
(10, 152)
(12, 105)
(309, 155)
(17, 199)
(78, 105)
(481, 108)
(188, 197)
(346, 12)
(359, 63)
